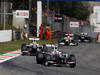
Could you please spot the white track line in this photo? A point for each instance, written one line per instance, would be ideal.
(17, 53)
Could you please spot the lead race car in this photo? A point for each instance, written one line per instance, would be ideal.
(53, 56)
(32, 48)
(68, 40)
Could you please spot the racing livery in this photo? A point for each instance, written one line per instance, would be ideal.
(68, 40)
(32, 48)
(55, 57)
(83, 37)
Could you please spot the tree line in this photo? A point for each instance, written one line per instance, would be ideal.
(79, 10)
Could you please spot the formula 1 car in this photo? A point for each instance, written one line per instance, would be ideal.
(83, 37)
(32, 48)
(68, 40)
(55, 57)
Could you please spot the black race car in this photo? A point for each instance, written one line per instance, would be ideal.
(68, 40)
(55, 57)
(30, 49)
(83, 37)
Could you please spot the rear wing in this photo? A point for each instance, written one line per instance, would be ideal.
(51, 45)
(34, 39)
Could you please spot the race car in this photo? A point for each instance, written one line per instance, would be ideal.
(83, 37)
(68, 40)
(32, 48)
(55, 57)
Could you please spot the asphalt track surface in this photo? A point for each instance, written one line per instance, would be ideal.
(88, 63)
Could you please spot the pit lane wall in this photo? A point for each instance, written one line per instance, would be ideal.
(5, 35)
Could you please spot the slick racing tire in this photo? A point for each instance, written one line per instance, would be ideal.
(23, 47)
(72, 59)
(39, 58)
(23, 53)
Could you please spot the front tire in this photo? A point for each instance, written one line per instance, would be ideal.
(39, 58)
(23, 53)
(72, 58)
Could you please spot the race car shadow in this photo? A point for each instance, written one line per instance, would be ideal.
(58, 65)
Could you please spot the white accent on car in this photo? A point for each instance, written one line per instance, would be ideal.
(62, 43)
(72, 44)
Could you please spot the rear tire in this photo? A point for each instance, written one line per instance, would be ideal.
(23, 47)
(23, 53)
(72, 58)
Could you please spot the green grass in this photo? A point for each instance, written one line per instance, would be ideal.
(15, 45)
(10, 46)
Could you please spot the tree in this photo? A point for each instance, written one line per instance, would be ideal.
(20, 4)
(79, 10)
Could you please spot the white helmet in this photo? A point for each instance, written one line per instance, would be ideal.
(85, 33)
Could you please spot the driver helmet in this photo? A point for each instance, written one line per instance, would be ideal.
(85, 33)
(66, 35)
(82, 33)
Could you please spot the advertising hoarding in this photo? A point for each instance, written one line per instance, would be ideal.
(22, 14)
(74, 24)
